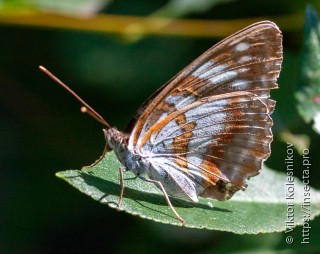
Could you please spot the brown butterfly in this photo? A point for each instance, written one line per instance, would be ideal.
(207, 130)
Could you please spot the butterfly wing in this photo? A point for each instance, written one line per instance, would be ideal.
(212, 121)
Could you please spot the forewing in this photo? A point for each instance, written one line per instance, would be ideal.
(249, 60)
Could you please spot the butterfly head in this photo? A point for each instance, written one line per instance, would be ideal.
(117, 141)
(114, 138)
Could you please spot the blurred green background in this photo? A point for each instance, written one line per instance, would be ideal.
(42, 131)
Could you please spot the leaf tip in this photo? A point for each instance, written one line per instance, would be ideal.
(59, 174)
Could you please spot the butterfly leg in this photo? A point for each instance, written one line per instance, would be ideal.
(121, 169)
(105, 150)
(159, 184)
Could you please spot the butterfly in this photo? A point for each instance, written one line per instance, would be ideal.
(207, 130)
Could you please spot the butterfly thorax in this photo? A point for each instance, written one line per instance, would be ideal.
(117, 141)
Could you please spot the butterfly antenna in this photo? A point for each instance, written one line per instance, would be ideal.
(85, 107)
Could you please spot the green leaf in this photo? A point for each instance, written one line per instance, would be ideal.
(308, 95)
(261, 208)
